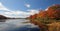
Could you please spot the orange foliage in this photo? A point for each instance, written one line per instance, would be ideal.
(52, 12)
(42, 14)
(33, 16)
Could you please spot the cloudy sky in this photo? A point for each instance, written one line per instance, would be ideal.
(24, 8)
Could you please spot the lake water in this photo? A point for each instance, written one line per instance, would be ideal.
(17, 25)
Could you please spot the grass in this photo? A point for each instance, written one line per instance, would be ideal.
(49, 24)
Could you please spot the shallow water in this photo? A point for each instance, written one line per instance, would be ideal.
(17, 25)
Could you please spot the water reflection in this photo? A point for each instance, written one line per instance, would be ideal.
(2, 20)
(17, 25)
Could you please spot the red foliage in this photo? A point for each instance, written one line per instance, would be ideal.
(54, 11)
(33, 16)
(42, 14)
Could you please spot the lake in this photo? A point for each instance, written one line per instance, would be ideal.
(17, 25)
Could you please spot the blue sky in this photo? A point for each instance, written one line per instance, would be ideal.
(24, 8)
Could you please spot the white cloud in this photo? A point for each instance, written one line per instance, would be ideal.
(46, 9)
(2, 7)
(33, 11)
(16, 13)
(27, 5)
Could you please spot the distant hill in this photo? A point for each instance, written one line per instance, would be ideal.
(3, 17)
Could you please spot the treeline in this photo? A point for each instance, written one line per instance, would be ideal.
(3, 17)
(46, 19)
(51, 13)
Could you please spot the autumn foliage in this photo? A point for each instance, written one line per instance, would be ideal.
(52, 12)
(49, 16)
(42, 14)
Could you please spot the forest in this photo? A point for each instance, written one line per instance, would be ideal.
(48, 19)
